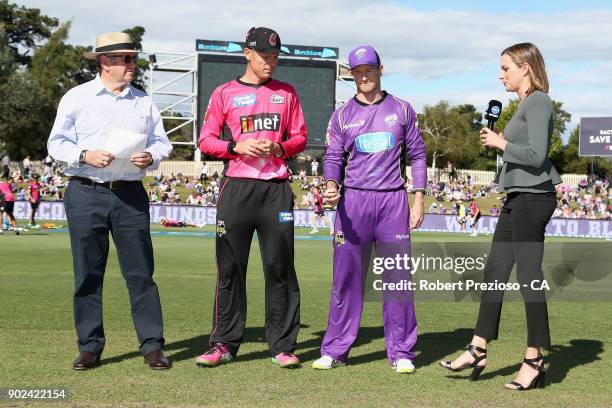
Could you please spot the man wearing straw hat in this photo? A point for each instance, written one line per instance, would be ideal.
(90, 136)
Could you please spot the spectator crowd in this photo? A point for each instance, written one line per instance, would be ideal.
(590, 199)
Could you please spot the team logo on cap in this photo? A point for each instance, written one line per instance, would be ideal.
(360, 53)
(272, 39)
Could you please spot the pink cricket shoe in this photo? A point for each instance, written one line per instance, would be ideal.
(218, 354)
(286, 360)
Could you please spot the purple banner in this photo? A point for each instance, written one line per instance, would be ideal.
(557, 227)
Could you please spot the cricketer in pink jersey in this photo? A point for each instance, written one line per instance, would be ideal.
(7, 203)
(33, 195)
(266, 125)
(269, 111)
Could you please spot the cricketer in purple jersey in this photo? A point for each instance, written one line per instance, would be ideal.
(370, 140)
(377, 138)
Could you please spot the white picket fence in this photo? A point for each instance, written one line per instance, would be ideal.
(190, 168)
(187, 168)
(486, 177)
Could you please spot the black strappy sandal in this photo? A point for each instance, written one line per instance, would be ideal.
(538, 381)
(474, 364)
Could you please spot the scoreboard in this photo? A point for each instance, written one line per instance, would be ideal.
(314, 79)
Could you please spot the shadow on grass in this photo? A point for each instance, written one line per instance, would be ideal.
(190, 348)
(430, 348)
(560, 360)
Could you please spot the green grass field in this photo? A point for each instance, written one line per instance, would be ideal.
(37, 339)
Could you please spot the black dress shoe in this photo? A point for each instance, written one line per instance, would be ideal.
(156, 360)
(86, 361)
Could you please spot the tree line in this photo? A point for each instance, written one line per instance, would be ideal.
(38, 66)
(452, 135)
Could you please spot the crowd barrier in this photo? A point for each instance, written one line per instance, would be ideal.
(558, 227)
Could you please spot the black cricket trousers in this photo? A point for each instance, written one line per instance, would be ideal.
(265, 206)
(518, 238)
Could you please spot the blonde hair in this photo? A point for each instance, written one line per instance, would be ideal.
(528, 53)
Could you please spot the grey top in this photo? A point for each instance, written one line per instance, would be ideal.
(527, 167)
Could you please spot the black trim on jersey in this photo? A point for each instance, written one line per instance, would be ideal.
(403, 162)
(226, 134)
(345, 158)
(256, 86)
(378, 102)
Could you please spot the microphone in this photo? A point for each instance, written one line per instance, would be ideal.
(492, 115)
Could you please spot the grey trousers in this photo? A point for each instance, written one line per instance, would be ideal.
(93, 211)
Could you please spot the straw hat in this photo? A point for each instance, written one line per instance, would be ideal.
(112, 43)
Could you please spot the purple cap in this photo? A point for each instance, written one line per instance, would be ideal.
(363, 55)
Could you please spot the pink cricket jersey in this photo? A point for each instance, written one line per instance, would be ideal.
(5, 188)
(270, 111)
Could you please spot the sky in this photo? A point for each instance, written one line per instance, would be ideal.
(431, 50)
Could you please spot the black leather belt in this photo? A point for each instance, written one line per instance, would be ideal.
(111, 185)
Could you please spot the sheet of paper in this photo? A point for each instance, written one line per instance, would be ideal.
(124, 144)
(122, 165)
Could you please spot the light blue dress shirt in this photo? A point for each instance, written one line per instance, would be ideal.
(85, 116)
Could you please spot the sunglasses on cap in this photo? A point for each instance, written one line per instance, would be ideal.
(127, 58)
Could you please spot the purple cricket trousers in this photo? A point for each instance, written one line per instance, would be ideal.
(367, 218)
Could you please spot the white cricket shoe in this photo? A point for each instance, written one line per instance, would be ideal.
(403, 366)
(326, 363)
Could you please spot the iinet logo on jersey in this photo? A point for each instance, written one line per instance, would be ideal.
(261, 121)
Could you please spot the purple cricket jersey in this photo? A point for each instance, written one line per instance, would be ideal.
(377, 139)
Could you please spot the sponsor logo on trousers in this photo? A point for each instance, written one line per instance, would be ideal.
(220, 228)
(339, 238)
(284, 216)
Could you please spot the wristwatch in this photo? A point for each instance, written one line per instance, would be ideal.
(230, 148)
(82, 156)
(151, 160)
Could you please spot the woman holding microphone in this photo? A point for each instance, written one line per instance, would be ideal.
(528, 177)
